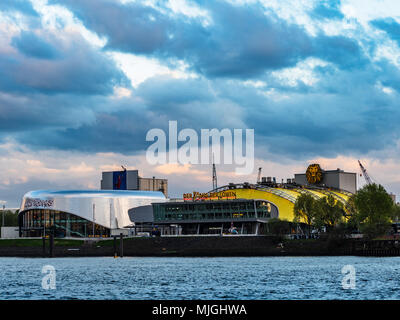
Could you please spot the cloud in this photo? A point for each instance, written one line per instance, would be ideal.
(344, 112)
(23, 6)
(241, 41)
(308, 95)
(328, 9)
(80, 69)
(130, 27)
(340, 50)
(33, 46)
(390, 26)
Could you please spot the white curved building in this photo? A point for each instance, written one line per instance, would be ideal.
(81, 213)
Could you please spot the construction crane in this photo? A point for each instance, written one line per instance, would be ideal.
(365, 174)
(259, 175)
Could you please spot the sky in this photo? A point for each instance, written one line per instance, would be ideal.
(83, 81)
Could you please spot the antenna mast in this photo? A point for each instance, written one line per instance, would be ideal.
(214, 176)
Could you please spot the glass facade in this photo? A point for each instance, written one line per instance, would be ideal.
(40, 222)
(239, 216)
(227, 210)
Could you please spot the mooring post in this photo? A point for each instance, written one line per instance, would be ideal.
(44, 246)
(121, 245)
(51, 244)
(115, 247)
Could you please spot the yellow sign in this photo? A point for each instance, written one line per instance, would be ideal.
(314, 173)
(209, 195)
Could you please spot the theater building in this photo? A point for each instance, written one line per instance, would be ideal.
(81, 213)
(246, 208)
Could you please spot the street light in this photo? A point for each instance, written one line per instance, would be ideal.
(4, 209)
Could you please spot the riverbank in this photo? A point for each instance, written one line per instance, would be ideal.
(199, 246)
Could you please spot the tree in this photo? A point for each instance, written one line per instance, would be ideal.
(278, 227)
(374, 210)
(328, 212)
(10, 218)
(396, 212)
(304, 210)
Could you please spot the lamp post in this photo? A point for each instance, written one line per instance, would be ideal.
(93, 218)
(2, 220)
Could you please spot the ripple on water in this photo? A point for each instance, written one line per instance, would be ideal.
(201, 278)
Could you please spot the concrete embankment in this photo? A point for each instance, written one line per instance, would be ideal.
(198, 246)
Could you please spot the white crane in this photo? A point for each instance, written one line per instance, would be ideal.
(365, 174)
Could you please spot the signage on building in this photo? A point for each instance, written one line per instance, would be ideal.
(221, 195)
(314, 173)
(38, 203)
(119, 180)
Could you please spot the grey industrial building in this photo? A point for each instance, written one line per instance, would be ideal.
(337, 179)
(130, 180)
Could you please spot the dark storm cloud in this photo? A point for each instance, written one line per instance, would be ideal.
(55, 93)
(340, 50)
(123, 132)
(79, 69)
(31, 112)
(241, 41)
(345, 112)
(33, 46)
(131, 27)
(189, 101)
(174, 92)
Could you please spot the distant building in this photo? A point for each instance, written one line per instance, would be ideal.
(393, 196)
(337, 179)
(130, 180)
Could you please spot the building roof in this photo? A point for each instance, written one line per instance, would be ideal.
(42, 194)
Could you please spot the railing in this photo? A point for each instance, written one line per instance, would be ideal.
(279, 193)
(305, 191)
(336, 196)
(69, 230)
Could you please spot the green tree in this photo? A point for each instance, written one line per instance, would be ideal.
(10, 218)
(396, 213)
(278, 227)
(328, 212)
(374, 210)
(350, 207)
(304, 210)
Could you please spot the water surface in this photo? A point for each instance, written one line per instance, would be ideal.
(201, 278)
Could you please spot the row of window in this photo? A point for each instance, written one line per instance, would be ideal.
(210, 215)
(233, 206)
(212, 211)
(36, 223)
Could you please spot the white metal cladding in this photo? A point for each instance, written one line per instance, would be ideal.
(108, 208)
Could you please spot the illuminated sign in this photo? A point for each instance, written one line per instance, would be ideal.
(314, 173)
(38, 203)
(209, 195)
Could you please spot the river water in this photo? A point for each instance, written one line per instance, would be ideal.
(199, 278)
